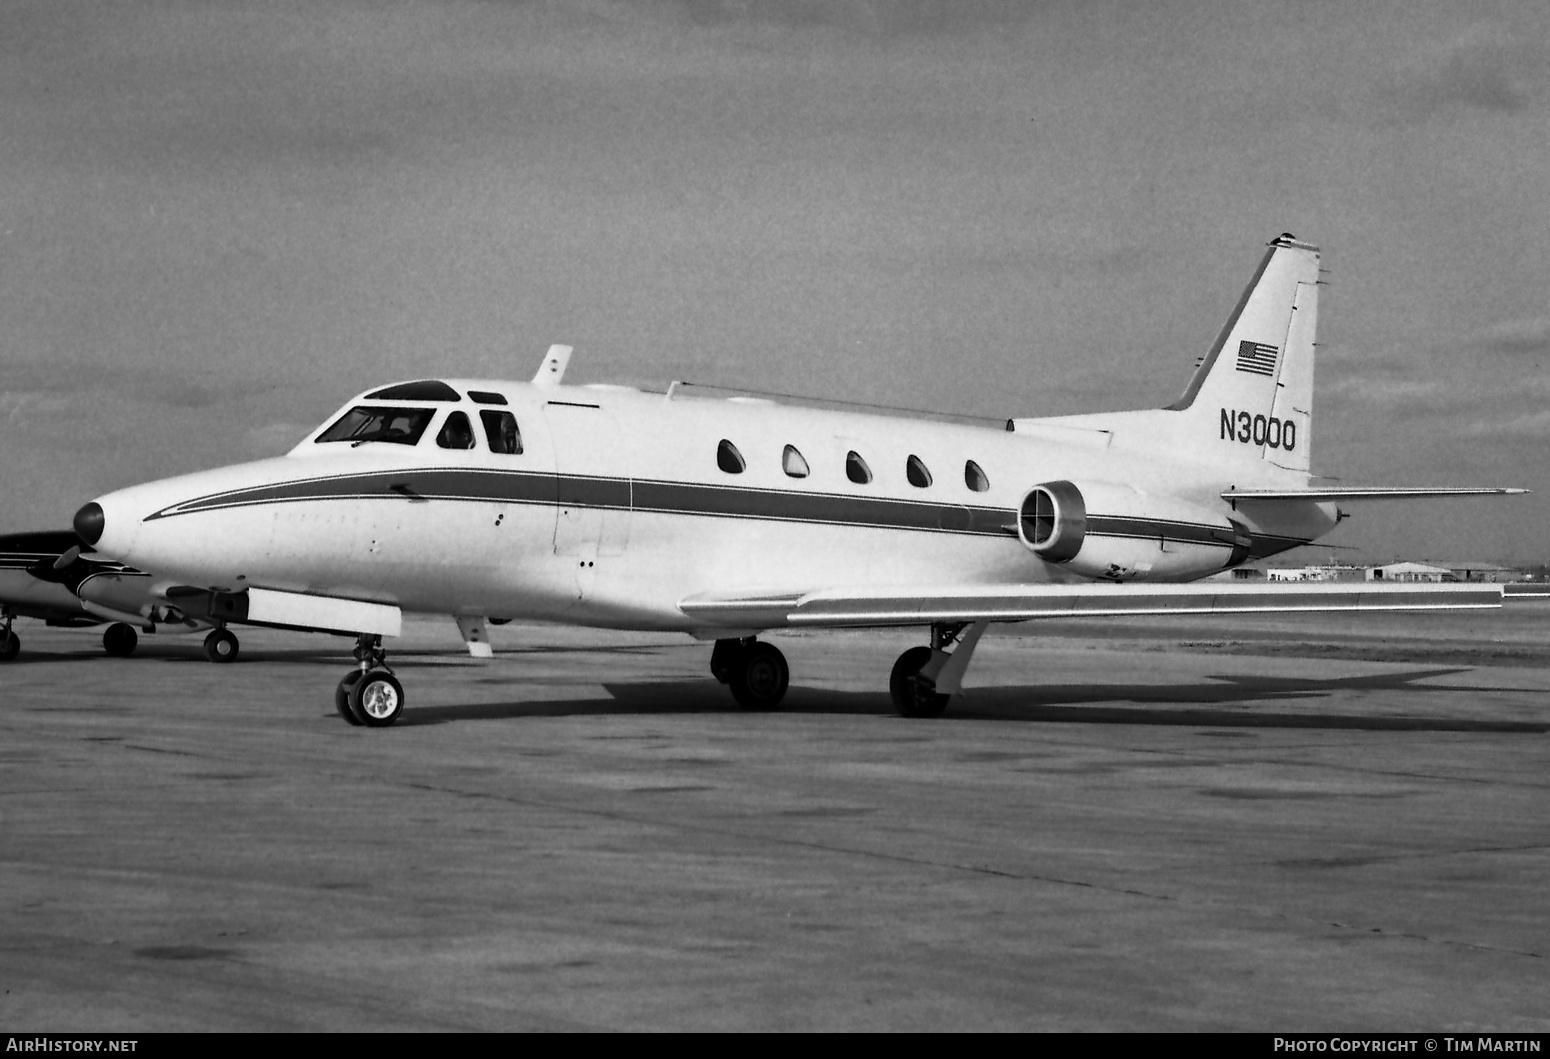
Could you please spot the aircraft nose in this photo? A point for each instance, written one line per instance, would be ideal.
(89, 522)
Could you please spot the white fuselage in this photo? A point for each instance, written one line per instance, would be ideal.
(617, 509)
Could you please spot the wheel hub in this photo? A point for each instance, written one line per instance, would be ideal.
(379, 699)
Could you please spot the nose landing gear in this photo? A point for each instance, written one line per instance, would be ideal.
(370, 694)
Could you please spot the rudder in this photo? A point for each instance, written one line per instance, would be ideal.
(1254, 390)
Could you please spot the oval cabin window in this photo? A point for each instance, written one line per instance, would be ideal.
(915, 471)
(793, 462)
(975, 478)
(856, 469)
(728, 458)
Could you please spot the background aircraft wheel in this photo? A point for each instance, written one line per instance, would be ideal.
(377, 699)
(221, 646)
(342, 697)
(910, 696)
(759, 681)
(10, 646)
(120, 639)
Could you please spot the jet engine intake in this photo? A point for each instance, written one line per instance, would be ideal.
(1052, 521)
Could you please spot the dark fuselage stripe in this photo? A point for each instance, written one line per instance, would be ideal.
(686, 498)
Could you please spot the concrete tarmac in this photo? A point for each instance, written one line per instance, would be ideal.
(1325, 824)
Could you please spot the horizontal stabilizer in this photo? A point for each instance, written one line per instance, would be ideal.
(1363, 494)
(844, 607)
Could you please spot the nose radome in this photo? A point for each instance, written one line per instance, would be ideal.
(89, 522)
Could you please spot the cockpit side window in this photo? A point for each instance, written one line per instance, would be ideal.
(400, 426)
(456, 433)
(500, 430)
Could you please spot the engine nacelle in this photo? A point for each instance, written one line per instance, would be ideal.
(1120, 533)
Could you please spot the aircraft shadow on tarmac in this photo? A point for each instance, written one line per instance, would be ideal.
(1200, 704)
(1210, 703)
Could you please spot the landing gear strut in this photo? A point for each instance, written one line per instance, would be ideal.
(370, 694)
(10, 643)
(924, 679)
(755, 671)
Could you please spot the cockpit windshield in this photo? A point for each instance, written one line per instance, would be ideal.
(400, 426)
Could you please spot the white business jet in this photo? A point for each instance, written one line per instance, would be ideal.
(50, 577)
(724, 518)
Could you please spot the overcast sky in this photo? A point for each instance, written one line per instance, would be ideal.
(221, 220)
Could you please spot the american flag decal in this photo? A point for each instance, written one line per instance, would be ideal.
(1256, 358)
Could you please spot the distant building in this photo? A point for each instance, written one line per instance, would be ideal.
(1325, 572)
(1398, 572)
(1489, 572)
(1409, 572)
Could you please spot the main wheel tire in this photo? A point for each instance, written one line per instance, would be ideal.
(911, 697)
(760, 678)
(342, 697)
(377, 699)
(119, 640)
(10, 646)
(221, 646)
(725, 658)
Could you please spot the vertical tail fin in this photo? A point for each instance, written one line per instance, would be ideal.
(1254, 390)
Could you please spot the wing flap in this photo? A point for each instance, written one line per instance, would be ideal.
(1007, 603)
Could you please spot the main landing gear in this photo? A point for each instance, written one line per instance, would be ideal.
(370, 694)
(755, 671)
(924, 679)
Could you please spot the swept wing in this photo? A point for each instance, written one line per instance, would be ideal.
(840, 607)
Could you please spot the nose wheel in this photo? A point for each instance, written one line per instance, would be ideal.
(342, 697)
(377, 698)
(370, 695)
